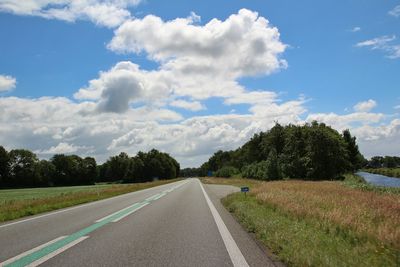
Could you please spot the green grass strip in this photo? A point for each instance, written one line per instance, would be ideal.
(307, 241)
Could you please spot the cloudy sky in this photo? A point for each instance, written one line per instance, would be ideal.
(97, 77)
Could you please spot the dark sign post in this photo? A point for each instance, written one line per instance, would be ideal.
(245, 189)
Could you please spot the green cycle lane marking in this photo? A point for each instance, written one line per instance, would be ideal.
(34, 256)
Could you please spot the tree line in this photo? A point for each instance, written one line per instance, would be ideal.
(313, 151)
(383, 162)
(22, 168)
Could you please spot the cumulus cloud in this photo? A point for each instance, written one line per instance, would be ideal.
(243, 44)
(189, 105)
(383, 43)
(365, 106)
(61, 148)
(395, 12)
(109, 13)
(356, 29)
(7, 83)
(125, 108)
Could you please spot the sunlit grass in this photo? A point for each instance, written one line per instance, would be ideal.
(320, 223)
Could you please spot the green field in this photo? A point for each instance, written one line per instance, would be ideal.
(7, 195)
(17, 203)
(321, 223)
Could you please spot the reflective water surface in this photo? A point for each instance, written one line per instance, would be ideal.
(381, 180)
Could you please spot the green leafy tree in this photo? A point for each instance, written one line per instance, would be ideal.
(356, 160)
(23, 171)
(4, 166)
(46, 171)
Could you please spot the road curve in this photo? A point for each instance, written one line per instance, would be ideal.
(177, 224)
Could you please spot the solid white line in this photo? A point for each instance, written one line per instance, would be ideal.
(234, 252)
(56, 252)
(83, 205)
(132, 211)
(4, 263)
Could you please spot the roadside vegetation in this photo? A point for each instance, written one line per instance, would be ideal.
(17, 203)
(320, 223)
(21, 168)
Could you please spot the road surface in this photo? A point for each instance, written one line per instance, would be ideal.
(178, 224)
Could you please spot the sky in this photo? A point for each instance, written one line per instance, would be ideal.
(97, 77)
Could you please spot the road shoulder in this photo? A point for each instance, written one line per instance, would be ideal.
(255, 252)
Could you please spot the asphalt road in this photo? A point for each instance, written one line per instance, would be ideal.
(178, 224)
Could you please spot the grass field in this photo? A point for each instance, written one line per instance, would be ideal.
(17, 203)
(391, 172)
(320, 223)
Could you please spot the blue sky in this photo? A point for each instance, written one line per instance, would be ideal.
(330, 56)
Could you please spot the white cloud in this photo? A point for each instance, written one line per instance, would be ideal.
(243, 44)
(7, 83)
(61, 148)
(395, 12)
(356, 29)
(365, 106)
(189, 105)
(109, 13)
(125, 108)
(384, 43)
(196, 62)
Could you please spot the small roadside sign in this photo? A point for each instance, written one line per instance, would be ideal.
(245, 189)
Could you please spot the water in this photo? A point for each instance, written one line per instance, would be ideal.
(381, 180)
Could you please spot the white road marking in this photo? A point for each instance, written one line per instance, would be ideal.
(159, 196)
(112, 214)
(81, 206)
(4, 263)
(56, 252)
(132, 211)
(234, 252)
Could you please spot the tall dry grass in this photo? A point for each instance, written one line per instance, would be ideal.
(367, 213)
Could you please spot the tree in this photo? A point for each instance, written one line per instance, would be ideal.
(89, 169)
(118, 167)
(273, 171)
(294, 156)
(326, 152)
(23, 171)
(356, 160)
(46, 172)
(4, 166)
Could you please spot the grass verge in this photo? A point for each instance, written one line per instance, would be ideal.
(17, 203)
(321, 223)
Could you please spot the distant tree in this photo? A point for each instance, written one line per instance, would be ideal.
(275, 139)
(273, 170)
(356, 160)
(46, 172)
(118, 167)
(89, 170)
(294, 156)
(4, 166)
(23, 171)
(226, 171)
